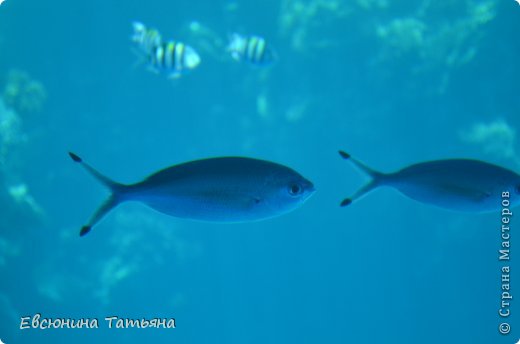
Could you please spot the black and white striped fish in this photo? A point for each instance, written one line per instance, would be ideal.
(251, 49)
(173, 58)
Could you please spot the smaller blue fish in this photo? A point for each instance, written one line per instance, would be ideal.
(251, 49)
(227, 189)
(455, 184)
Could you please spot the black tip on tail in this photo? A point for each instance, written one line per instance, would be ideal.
(344, 155)
(75, 157)
(84, 230)
(346, 202)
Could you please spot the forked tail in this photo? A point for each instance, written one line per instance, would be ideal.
(376, 181)
(110, 203)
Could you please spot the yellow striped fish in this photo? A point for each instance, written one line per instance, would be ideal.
(174, 58)
(145, 38)
(251, 49)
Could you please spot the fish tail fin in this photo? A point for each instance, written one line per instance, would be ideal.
(109, 183)
(377, 179)
(371, 172)
(359, 193)
(112, 201)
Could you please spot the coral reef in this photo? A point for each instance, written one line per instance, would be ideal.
(23, 94)
(372, 4)
(402, 34)
(436, 34)
(496, 138)
(301, 20)
(7, 250)
(17, 202)
(20, 195)
(127, 253)
(10, 132)
(438, 42)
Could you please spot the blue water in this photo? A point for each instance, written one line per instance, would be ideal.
(393, 84)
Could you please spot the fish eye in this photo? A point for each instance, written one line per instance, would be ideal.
(295, 189)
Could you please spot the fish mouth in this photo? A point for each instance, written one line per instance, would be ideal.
(310, 188)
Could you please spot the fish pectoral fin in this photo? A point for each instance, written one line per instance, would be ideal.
(249, 201)
(174, 75)
(471, 193)
(246, 200)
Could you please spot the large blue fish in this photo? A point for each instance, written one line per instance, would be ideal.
(455, 184)
(227, 189)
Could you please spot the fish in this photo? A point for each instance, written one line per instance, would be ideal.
(251, 49)
(174, 58)
(171, 57)
(146, 39)
(221, 189)
(463, 185)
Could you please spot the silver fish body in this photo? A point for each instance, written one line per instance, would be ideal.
(227, 189)
(455, 184)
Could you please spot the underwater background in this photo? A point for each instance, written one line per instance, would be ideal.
(392, 83)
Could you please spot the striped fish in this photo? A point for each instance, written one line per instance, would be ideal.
(145, 38)
(173, 58)
(251, 49)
